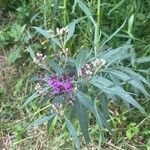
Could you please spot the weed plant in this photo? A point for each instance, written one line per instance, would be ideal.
(81, 84)
(130, 128)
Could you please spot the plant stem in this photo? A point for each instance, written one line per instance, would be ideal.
(65, 12)
(45, 17)
(98, 13)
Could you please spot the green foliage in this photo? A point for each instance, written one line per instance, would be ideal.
(83, 120)
(13, 56)
(42, 120)
(73, 133)
(92, 24)
(132, 130)
(108, 81)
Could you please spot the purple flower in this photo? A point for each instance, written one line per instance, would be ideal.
(61, 85)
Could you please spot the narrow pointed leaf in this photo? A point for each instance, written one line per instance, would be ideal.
(51, 124)
(88, 104)
(83, 120)
(81, 58)
(107, 86)
(99, 122)
(56, 67)
(31, 98)
(134, 74)
(42, 31)
(133, 81)
(29, 49)
(71, 27)
(143, 59)
(73, 133)
(41, 120)
(86, 10)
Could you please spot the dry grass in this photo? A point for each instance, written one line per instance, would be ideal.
(6, 71)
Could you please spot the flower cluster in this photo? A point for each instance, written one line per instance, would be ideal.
(39, 89)
(90, 68)
(61, 85)
(62, 31)
(40, 59)
(57, 107)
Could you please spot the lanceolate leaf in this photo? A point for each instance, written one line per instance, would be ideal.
(56, 67)
(42, 120)
(88, 104)
(113, 55)
(99, 122)
(42, 31)
(115, 33)
(132, 80)
(83, 119)
(73, 133)
(51, 124)
(48, 35)
(29, 49)
(32, 97)
(108, 87)
(86, 10)
(134, 74)
(80, 59)
(143, 59)
(71, 27)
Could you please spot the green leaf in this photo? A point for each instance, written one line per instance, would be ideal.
(141, 16)
(71, 27)
(130, 23)
(45, 33)
(48, 35)
(132, 130)
(13, 56)
(31, 98)
(116, 6)
(109, 87)
(113, 55)
(81, 58)
(86, 10)
(114, 34)
(99, 122)
(29, 49)
(56, 67)
(132, 80)
(73, 133)
(134, 74)
(51, 123)
(83, 120)
(41, 120)
(143, 59)
(88, 104)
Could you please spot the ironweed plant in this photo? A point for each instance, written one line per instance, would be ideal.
(83, 84)
(77, 86)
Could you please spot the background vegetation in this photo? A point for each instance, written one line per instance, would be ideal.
(130, 129)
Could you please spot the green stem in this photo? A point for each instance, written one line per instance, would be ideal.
(98, 12)
(65, 12)
(45, 17)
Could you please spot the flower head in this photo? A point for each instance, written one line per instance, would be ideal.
(61, 85)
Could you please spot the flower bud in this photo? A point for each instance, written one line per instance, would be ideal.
(88, 67)
(94, 64)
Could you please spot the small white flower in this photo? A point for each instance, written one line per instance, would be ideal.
(94, 64)
(103, 62)
(87, 66)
